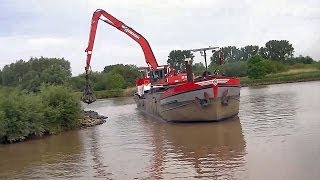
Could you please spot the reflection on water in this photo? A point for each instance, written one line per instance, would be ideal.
(198, 150)
(275, 137)
(100, 170)
(269, 111)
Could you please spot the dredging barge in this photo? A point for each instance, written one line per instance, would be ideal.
(173, 97)
(193, 99)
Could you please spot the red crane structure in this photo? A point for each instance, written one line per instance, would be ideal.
(102, 15)
(97, 15)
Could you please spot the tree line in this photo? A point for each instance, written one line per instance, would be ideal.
(32, 74)
(253, 61)
(276, 56)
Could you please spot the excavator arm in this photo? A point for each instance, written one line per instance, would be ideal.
(100, 14)
(88, 96)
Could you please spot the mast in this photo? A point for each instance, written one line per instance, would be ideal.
(204, 54)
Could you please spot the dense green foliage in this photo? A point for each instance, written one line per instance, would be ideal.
(176, 59)
(22, 114)
(31, 74)
(277, 50)
(198, 68)
(276, 56)
(129, 73)
(237, 69)
(113, 77)
(256, 67)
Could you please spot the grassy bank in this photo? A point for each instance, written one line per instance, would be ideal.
(112, 93)
(293, 75)
(296, 74)
(24, 115)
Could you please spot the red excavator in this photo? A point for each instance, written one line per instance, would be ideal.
(164, 74)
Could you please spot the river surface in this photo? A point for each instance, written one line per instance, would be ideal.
(276, 136)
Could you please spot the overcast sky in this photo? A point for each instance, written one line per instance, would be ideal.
(60, 28)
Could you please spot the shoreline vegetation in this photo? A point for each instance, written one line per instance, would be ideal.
(25, 115)
(301, 75)
(281, 79)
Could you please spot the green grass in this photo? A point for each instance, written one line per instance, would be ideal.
(294, 76)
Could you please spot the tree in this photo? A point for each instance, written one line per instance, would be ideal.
(256, 68)
(302, 60)
(48, 69)
(279, 50)
(238, 69)
(264, 53)
(0, 77)
(129, 72)
(273, 66)
(8, 77)
(198, 68)
(77, 82)
(248, 51)
(115, 81)
(230, 54)
(101, 83)
(176, 59)
(54, 75)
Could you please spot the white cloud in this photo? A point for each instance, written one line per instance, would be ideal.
(60, 28)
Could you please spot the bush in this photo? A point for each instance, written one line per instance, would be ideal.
(238, 69)
(62, 107)
(274, 66)
(198, 69)
(256, 67)
(301, 60)
(23, 115)
(257, 71)
(115, 81)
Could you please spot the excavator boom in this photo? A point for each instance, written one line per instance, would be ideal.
(100, 14)
(88, 96)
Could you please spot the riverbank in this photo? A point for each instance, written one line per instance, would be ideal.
(281, 78)
(53, 110)
(88, 119)
(112, 93)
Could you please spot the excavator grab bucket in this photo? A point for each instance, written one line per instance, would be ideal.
(88, 96)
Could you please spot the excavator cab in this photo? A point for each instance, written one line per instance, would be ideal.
(158, 74)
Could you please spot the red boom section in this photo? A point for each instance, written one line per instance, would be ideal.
(149, 56)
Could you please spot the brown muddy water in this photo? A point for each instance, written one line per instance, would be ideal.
(277, 136)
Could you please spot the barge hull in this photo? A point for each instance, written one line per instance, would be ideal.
(200, 105)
